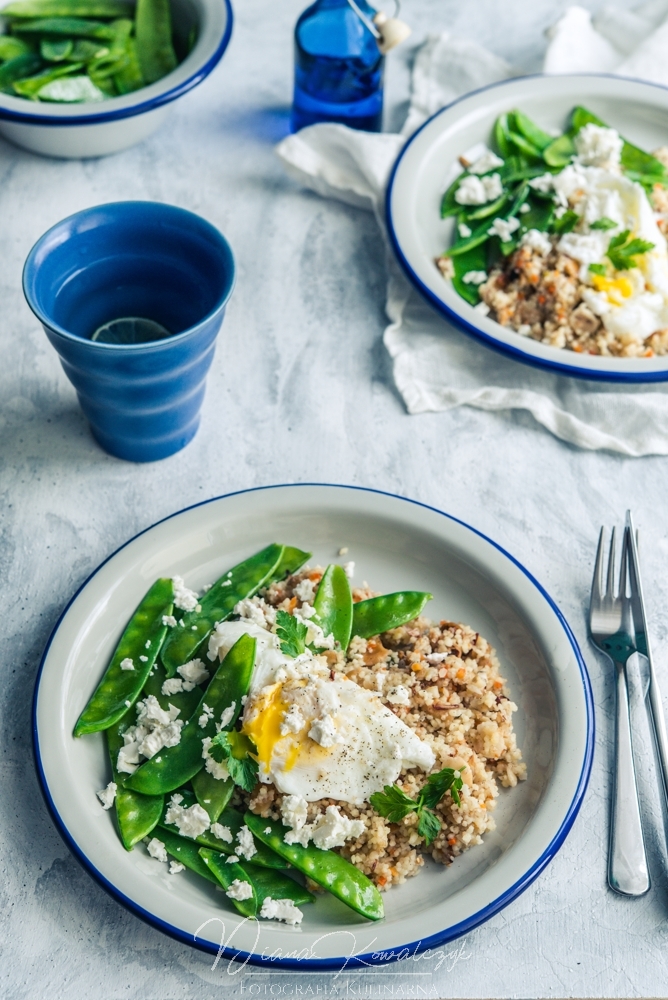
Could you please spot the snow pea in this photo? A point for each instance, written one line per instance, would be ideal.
(291, 560)
(120, 688)
(137, 815)
(56, 51)
(185, 701)
(474, 260)
(334, 605)
(263, 882)
(185, 851)
(153, 31)
(243, 580)
(127, 76)
(11, 47)
(16, 68)
(213, 794)
(328, 869)
(519, 122)
(634, 160)
(379, 614)
(233, 820)
(173, 766)
(72, 27)
(29, 86)
(68, 8)
(226, 873)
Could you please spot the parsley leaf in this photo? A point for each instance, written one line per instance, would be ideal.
(567, 222)
(291, 633)
(598, 269)
(438, 784)
(392, 803)
(429, 825)
(622, 250)
(237, 751)
(604, 223)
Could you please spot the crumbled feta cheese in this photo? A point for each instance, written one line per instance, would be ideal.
(535, 240)
(144, 659)
(198, 608)
(474, 277)
(226, 583)
(239, 890)
(315, 635)
(493, 187)
(281, 909)
(128, 759)
(293, 721)
(246, 845)
(525, 208)
(147, 644)
(127, 664)
(488, 161)
(471, 191)
(305, 590)
(257, 611)
(324, 732)
(172, 686)
(544, 183)
(482, 308)
(294, 810)
(107, 795)
(349, 569)
(524, 329)
(205, 717)
(169, 621)
(149, 712)
(464, 230)
(232, 860)
(436, 657)
(504, 228)
(218, 770)
(267, 830)
(191, 822)
(161, 736)
(184, 598)
(157, 850)
(399, 695)
(194, 672)
(222, 832)
(333, 829)
(175, 867)
(598, 146)
(226, 716)
(343, 551)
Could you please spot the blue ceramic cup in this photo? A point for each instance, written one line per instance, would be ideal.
(150, 283)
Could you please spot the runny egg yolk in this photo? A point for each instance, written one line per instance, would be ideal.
(264, 727)
(616, 289)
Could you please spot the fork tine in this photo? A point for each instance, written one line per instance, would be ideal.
(611, 566)
(597, 582)
(624, 567)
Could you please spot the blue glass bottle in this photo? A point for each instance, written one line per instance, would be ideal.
(338, 68)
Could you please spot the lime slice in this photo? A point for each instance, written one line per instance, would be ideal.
(130, 330)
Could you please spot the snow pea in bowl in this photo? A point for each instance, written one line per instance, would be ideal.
(85, 78)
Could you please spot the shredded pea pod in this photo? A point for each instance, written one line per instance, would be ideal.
(380, 614)
(173, 766)
(217, 604)
(328, 869)
(137, 815)
(120, 687)
(73, 27)
(334, 605)
(31, 85)
(11, 47)
(186, 851)
(153, 30)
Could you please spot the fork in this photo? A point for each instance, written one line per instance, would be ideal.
(612, 631)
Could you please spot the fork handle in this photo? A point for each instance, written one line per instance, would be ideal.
(627, 863)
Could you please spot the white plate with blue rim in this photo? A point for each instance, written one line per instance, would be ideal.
(423, 171)
(396, 544)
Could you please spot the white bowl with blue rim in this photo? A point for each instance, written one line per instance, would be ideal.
(639, 112)
(72, 131)
(396, 544)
